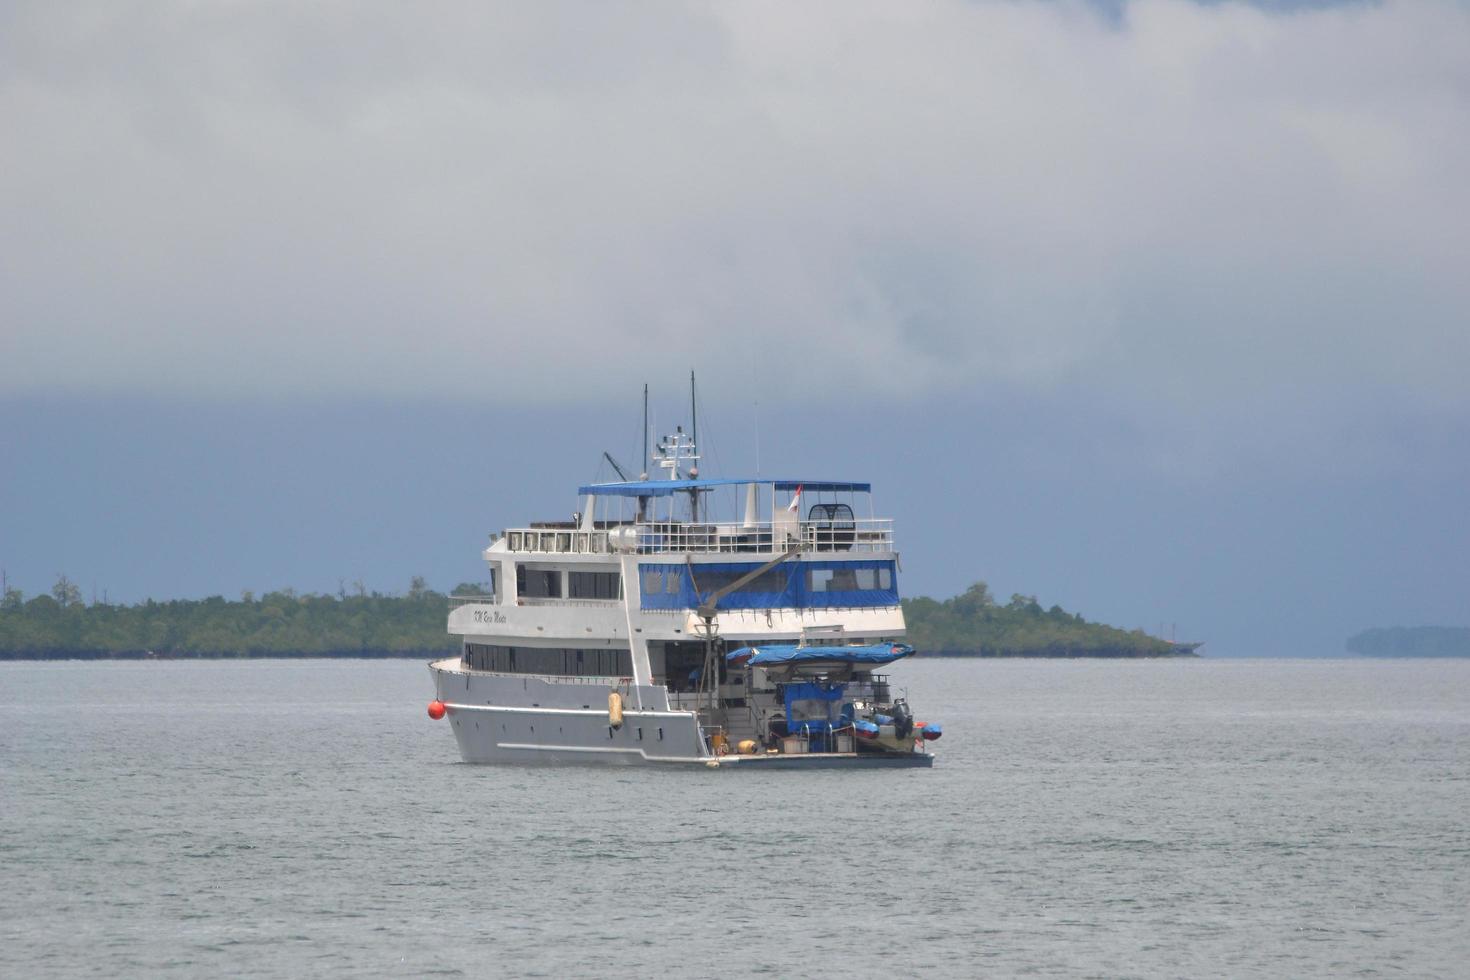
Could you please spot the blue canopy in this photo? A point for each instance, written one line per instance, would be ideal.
(776, 656)
(663, 488)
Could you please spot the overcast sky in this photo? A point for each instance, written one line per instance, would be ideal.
(1164, 305)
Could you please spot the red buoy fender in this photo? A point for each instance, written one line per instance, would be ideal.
(436, 709)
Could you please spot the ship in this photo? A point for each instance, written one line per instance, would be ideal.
(684, 620)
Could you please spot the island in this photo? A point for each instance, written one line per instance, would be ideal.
(359, 623)
(974, 624)
(1412, 641)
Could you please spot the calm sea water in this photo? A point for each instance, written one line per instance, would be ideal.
(288, 819)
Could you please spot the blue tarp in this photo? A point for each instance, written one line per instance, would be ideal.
(663, 488)
(774, 656)
(787, 586)
(818, 701)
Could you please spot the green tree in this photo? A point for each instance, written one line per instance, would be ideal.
(66, 592)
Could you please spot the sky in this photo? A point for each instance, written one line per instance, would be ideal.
(1154, 309)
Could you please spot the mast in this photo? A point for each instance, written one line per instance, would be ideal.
(694, 446)
(642, 514)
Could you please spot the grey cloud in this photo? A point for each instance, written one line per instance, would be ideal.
(543, 200)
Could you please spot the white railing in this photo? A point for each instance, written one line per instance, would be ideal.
(869, 535)
(455, 601)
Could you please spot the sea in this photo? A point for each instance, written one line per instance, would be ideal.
(1089, 818)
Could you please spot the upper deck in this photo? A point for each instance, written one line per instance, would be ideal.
(678, 517)
(868, 536)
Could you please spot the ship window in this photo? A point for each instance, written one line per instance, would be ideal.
(537, 583)
(514, 543)
(771, 580)
(673, 581)
(841, 578)
(653, 582)
(550, 661)
(594, 585)
(865, 583)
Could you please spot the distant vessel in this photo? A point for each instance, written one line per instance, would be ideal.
(646, 630)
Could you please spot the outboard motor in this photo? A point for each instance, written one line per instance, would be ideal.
(903, 719)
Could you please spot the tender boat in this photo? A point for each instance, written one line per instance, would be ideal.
(653, 629)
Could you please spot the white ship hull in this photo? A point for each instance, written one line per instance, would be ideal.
(505, 718)
(493, 723)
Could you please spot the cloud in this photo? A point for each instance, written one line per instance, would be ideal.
(1191, 211)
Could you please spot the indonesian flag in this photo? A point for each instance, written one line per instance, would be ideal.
(795, 504)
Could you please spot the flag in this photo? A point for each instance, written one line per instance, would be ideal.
(795, 504)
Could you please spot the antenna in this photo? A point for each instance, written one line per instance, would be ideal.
(757, 438)
(693, 416)
(645, 431)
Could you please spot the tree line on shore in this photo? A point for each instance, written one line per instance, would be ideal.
(370, 624)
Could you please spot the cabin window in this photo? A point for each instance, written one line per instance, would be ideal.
(537, 583)
(551, 661)
(594, 585)
(790, 585)
(771, 580)
(849, 577)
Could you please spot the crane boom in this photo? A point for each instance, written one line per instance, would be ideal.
(614, 464)
(706, 610)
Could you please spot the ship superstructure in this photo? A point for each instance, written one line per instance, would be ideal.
(687, 620)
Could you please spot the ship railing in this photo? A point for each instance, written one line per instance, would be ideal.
(620, 683)
(864, 535)
(455, 601)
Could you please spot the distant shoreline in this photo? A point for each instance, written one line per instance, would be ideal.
(1397, 642)
(290, 625)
